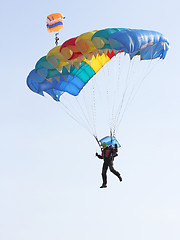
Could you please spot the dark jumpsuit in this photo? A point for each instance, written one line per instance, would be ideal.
(108, 155)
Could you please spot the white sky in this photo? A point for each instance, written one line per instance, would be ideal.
(49, 176)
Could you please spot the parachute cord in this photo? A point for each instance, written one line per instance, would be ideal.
(94, 108)
(97, 140)
(109, 109)
(107, 106)
(116, 93)
(135, 89)
(113, 93)
(84, 114)
(111, 135)
(111, 86)
(114, 132)
(68, 112)
(119, 111)
(90, 109)
(120, 116)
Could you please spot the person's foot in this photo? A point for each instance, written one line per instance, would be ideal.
(103, 186)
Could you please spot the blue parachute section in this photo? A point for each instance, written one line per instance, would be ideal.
(45, 78)
(39, 84)
(110, 141)
(147, 44)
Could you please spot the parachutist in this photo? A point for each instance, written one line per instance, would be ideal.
(108, 155)
(56, 42)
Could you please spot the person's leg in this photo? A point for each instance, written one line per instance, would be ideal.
(111, 167)
(104, 174)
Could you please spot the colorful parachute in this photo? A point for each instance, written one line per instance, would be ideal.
(68, 68)
(54, 22)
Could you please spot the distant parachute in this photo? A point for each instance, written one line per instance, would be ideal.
(54, 22)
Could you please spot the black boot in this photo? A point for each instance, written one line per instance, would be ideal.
(120, 178)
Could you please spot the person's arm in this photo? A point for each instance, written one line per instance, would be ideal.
(99, 156)
(116, 148)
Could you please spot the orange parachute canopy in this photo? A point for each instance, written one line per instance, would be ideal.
(54, 22)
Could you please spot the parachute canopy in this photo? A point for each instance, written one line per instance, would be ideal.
(68, 68)
(54, 22)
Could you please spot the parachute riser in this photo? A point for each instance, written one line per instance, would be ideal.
(97, 140)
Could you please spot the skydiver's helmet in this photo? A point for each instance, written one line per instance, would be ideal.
(104, 145)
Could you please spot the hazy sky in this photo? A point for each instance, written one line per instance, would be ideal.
(49, 176)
